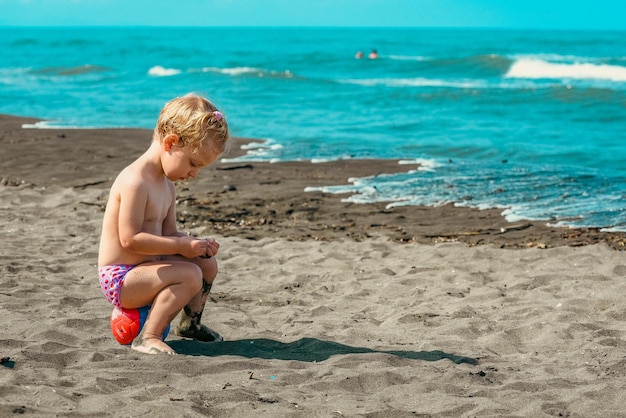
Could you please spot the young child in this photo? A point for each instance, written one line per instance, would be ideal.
(143, 260)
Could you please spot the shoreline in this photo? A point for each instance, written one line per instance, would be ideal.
(230, 198)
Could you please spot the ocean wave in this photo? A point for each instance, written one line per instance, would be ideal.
(482, 65)
(159, 71)
(25, 42)
(43, 124)
(257, 151)
(558, 58)
(329, 159)
(525, 66)
(249, 71)
(50, 124)
(571, 59)
(523, 193)
(234, 71)
(424, 164)
(521, 73)
(416, 82)
(539, 69)
(408, 58)
(67, 71)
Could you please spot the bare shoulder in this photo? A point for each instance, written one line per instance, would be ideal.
(138, 181)
(129, 180)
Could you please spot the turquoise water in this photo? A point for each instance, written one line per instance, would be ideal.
(530, 122)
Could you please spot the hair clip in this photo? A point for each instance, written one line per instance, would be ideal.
(218, 115)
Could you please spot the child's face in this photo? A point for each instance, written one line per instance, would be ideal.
(181, 163)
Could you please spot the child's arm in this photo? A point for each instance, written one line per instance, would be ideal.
(170, 229)
(134, 236)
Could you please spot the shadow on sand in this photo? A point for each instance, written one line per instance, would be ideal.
(304, 349)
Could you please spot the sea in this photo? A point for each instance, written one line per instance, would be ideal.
(529, 122)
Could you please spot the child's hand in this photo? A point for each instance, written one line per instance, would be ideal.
(192, 247)
(212, 248)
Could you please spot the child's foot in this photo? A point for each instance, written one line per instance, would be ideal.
(203, 333)
(190, 326)
(151, 346)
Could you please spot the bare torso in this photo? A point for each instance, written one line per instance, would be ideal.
(155, 217)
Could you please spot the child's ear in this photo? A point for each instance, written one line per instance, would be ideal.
(170, 141)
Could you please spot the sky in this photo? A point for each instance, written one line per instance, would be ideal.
(509, 14)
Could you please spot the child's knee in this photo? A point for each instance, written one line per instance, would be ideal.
(209, 268)
(193, 277)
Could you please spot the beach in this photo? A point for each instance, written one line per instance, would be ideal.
(328, 308)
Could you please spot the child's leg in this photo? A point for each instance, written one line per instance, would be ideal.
(168, 286)
(190, 325)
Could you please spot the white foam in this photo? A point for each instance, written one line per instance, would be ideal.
(37, 125)
(46, 124)
(423, 163)
(409, 58)
(256, 151)
(238, 71)
(235, 70)
(614, 229)
(536, 68)
(416, 82)
(268, 144)
(159, 71)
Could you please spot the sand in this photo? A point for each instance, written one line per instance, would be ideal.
(328, 308)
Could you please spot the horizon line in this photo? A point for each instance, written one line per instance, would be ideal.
(139, 26)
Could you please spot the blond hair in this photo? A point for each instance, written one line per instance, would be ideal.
(195, 120)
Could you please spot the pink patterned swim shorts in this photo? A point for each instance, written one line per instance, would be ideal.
(111, 279)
